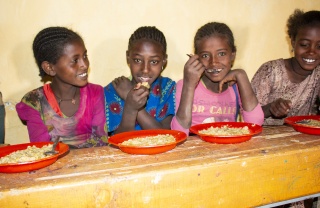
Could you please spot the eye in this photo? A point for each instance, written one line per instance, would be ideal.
(85, 56)
(75, 60)
(154, 62)
(205, 55)
(222, 53)
(137, 60)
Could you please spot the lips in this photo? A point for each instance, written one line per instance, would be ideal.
(144, 79)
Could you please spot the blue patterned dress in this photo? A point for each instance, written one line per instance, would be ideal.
(160, 104)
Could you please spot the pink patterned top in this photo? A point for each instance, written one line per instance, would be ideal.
(271, 82)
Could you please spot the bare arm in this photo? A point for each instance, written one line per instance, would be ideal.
(248, 99)
(193, 70)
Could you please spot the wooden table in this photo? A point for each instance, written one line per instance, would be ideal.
(279, 164)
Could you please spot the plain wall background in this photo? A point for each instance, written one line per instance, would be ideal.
(259, 27)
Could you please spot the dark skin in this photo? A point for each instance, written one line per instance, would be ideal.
(212, 65)
(69, 74)
(146, 60)
(306, 47)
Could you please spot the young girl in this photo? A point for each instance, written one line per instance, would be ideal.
(69, 107)
(211, 91)
(289, 87)
(129, 104)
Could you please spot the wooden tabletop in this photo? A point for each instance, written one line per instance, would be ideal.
(279, 164)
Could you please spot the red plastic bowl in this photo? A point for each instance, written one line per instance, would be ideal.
(303, 128)
(253, 128)
(32, 165)
(146, 150)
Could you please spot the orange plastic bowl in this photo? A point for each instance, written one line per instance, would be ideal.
(303, 128)
(146, 150)
(219, 139)
(32, 165)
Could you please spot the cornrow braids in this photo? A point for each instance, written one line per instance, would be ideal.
(300, 19)
(49, 43)
(214, 29)
(148, 33)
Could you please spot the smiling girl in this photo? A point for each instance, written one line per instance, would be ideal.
(211, 91)
(69, 107)
(290, 87)
(130, 104)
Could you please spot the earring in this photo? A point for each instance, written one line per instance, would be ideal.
(162, 68)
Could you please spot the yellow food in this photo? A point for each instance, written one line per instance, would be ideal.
(32, 153)
(160, 139)
(310, 122)
(225, 130)
(146, 84)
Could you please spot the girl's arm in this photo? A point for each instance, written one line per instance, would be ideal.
(135, 101)
(193, 70)
(248, 98)
(37, 130)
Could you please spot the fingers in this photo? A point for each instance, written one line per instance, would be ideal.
(280, 107)
(195, 63)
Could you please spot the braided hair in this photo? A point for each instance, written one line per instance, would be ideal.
(49, 43)
(148, 33)
(214, 29)
(300, 19)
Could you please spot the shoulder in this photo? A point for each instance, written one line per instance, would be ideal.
(94, 87)
(167, 81)
(273, 64)
(33, 98)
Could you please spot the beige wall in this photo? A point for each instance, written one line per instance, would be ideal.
(105, 25)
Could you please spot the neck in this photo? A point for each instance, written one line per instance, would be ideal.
(298, 70)
(64, 94)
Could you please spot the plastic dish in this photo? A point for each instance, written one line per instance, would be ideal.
(33, 165)
(301, 127)
(146, 150)
(253, 128)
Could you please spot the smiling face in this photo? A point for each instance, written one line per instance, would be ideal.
(307, 47)
(72, 67)
(146, 60)
(216, 55)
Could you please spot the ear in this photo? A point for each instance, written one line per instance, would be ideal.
(293, 43)
(165, 61)
(48, 68)
(233, 56)
(127, 57)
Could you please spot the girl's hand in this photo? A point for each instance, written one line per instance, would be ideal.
(280, 107)
(122, 85)
(137, 98)
(231, 78)
(193, 70)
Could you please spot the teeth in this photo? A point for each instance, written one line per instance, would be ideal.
(309, 60)
(82, 75)
(214, 70)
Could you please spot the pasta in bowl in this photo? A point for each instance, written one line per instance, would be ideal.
(305, 124)
(226, 132)
(28, 156)
(147, 142)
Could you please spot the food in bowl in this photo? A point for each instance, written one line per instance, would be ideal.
(309, 122)
(32, 153)
(156, 140)
(225, 130)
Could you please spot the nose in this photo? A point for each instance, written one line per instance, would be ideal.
(214, 60)
(312, 49)
(146, 67)
(84, 63)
